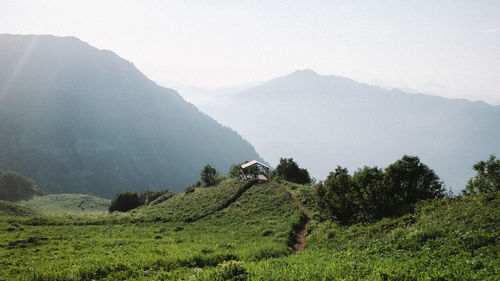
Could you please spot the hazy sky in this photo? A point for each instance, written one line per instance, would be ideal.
(449, 47)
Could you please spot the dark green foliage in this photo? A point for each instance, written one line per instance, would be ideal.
(208, 176)
(487, 177)
(409, 180)
(147, 196)
(288, 170)
(15, 187)
(125, 201)
(339, 195)
(234, 170)
(371, 193)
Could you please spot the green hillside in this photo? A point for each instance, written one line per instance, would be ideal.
(454, 239)
(195, 205)
(247, 231)
(13, 209)
(61, 204)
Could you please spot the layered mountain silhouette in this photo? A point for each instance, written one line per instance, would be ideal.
(325, 121)
(77, 119)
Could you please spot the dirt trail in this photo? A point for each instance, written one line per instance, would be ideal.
(301, 236)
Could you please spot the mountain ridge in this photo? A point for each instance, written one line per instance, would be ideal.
(83, 120)
(324, 121)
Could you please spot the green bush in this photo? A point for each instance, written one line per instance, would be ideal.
(208, 176)
(231, 270)
(190, 189)
(124, 201)
(372, 193)
(487, 177)
(15, 187)
(288, 170)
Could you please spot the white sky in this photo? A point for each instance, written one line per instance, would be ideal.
(449, 47)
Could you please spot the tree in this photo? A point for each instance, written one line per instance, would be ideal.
(409, 180)
(124, 201)
(372, 193)
(234, 170)
(487, 177)
(15, 187)
(208, 176)
(288, 170)
(339, 195)
(374, 199)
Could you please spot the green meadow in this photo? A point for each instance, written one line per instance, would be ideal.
(245, 231)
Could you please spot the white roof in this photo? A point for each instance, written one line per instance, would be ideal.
(253, 162)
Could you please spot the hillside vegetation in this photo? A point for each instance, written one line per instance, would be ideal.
(127, 246)
(246, 231)
(13, 209)
(192, 206)
(452, 239)
(62, 204)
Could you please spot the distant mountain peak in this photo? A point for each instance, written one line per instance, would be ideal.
(91, 122)
(304, 73)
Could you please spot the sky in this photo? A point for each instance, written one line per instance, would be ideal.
(447, 48)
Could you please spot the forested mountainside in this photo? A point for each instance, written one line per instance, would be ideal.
(77, 119)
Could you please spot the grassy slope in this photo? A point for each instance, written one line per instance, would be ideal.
(444, 240)
(125, 246)
(187, 207)
(61, 204)
(455, 239)
(13, 209)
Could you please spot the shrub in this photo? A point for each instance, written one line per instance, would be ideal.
(190, 189)
(208, 175)
(124, 201)
(231, 270)
(372, 193)
(234, 170)
(487, 177)
(288, 170)
(15, 187)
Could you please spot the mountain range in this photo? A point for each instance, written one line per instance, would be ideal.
(323, 121)
(77, 119)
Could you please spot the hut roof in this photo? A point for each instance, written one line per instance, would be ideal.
(253, 162)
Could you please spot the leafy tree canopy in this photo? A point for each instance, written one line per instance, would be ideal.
(288, 170)
(487, 177)
(15, 187)
(372, 193)
(125, 201)
(208, 176)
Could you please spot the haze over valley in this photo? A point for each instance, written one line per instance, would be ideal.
(323, 121)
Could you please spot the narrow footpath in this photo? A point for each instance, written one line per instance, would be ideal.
(301, 236)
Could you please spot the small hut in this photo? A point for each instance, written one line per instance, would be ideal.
(254, 170)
